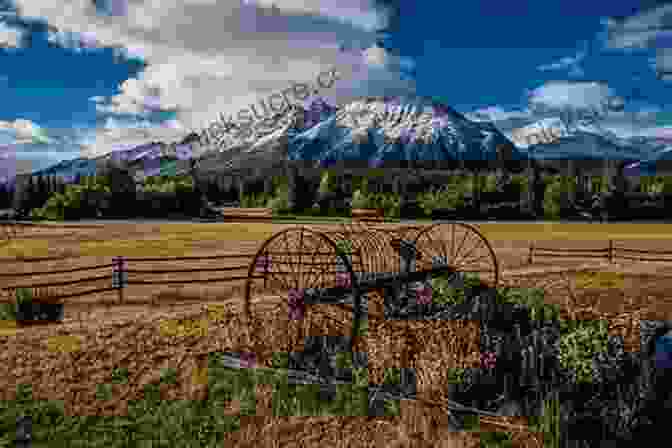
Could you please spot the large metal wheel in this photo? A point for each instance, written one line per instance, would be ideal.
(460, 246)
(7, 232)
(287, 264)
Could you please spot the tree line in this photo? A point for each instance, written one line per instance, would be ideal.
(116, 194)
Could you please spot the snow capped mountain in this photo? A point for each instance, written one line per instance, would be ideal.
(545, 130)
(552, 139)
(374, 131)
(149, 159)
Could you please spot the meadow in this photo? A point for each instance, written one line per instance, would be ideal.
(143, 383)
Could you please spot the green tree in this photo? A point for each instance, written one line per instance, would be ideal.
(42, 191)
(327, 182)
(667, 185)
(5, 200)
(552, 195)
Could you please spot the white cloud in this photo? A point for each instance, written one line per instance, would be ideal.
(205, 57)
(10, 37)
(25, 131)
(496, 113)
(568, 95)
(172, 124)
(571, 63)
(75, 41)
(355, 12)
(118, 134)
(549, 100)
(648, 29)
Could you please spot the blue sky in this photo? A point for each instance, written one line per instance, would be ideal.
(84, 77)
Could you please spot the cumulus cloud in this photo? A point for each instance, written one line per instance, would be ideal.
(10, 37)
(558, 96)
(555, 99)
(118, 134)
(359, 13)
(649, 29)
(24, 131)
(75, 41)
(231, 54)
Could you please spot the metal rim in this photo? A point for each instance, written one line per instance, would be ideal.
(8, 233)
(295, 259)
(463, 247)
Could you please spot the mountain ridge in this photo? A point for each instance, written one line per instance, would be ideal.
(380, 131)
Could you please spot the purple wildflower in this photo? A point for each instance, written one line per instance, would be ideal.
(424, 295)
(263, 263)
(343, 280)
(248, 360)
(296, 304)
(488, 360)
(183, 152)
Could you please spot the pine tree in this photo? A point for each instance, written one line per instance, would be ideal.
(43, 191)
(4, 196)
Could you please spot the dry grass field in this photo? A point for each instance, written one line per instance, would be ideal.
(66, 362)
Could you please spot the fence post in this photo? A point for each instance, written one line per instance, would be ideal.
(119, 276)
(530, 256)
(611, 251)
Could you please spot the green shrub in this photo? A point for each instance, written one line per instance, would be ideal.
(578, 347)
(280, 202)
(456, 375)
(255, 200)
(24, 295)
(344, 246)
(450, 196)
(548, 423)
(360, 199)
(444, 293)
(533, 298)
(389, 202)
(71, 203)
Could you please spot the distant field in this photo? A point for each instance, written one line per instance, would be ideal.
(575, 231)
(134, 239)
(174, 239)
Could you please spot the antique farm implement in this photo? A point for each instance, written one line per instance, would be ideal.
(299, 267)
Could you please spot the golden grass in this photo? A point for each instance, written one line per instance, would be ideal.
(156, 240)
(179, 239)
(429, 348)
(575, 231)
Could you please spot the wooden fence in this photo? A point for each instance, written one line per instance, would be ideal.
(610, 253)
(118, 276)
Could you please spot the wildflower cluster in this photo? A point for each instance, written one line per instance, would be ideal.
(424, 294)
(343, 280)
(248, 360)
(488, 360)
(263, 263)
(296, 304)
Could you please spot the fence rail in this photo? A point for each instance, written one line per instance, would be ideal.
(118, 276)
(63, 271)
(611, 253)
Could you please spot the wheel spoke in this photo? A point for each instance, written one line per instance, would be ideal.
(476, 246)
(299, 275)
(470, 261)
(455, 252)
